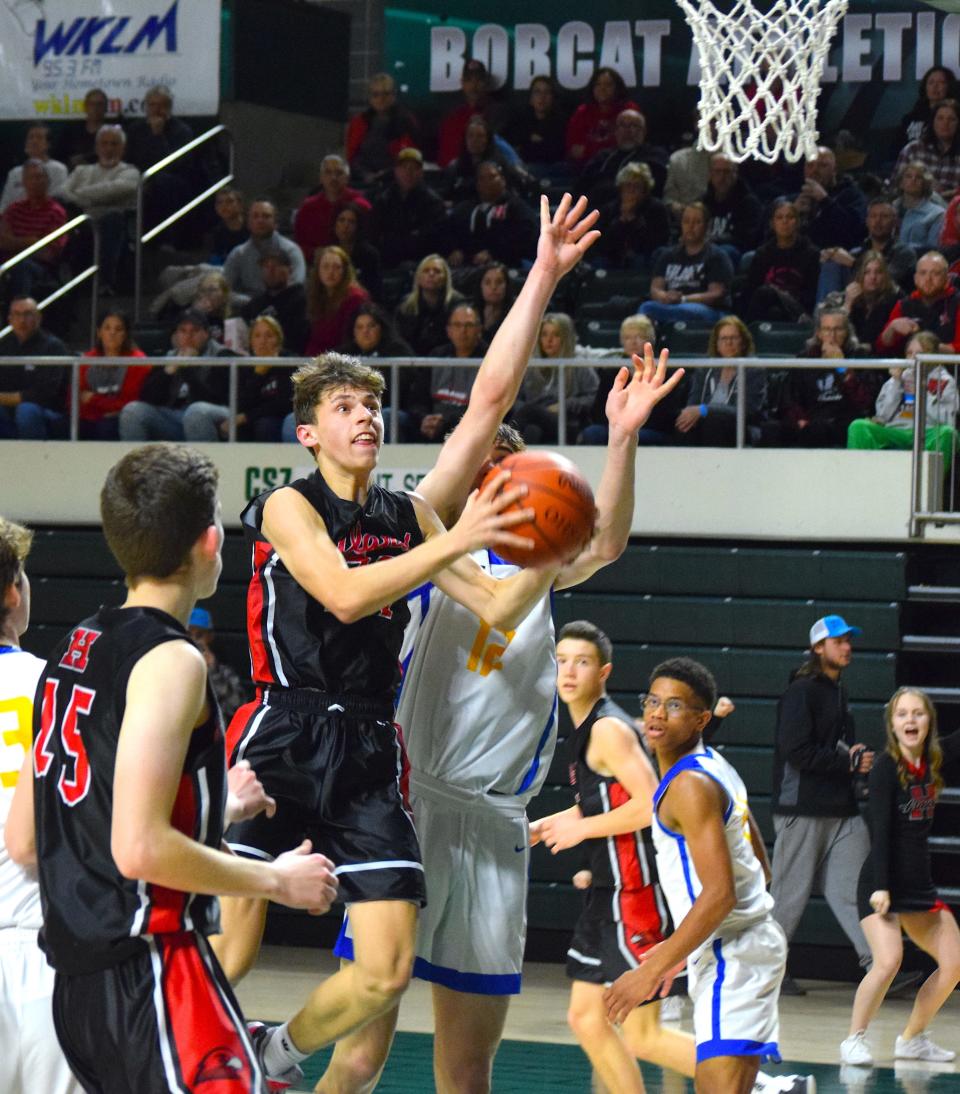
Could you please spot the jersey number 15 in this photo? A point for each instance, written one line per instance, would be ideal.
(73, 785)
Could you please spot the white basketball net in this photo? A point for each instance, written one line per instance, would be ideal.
(760, 75)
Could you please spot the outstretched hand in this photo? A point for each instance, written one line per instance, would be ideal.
(566, 236)
(632, 398)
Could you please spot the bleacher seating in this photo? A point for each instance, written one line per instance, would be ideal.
(743, 610)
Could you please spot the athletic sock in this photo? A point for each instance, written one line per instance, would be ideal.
(280, 1051)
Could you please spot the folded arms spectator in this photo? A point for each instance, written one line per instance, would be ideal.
(375, 136)
(242, 268)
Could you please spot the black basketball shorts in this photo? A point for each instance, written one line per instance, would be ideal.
(163, 1020)
(603, 948)
(338, 770)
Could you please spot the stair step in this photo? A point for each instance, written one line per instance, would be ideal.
(950, 795)
(945, 845)
(943, 695)
(931, 643)
(943, 594)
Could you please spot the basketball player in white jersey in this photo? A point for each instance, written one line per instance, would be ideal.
(478, 708)
(30, 1057)
(713, 871)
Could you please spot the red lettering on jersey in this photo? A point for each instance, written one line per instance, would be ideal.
(78, 653)
(359, 546)
(386, 613)
(923, 797)
(42, 756)
(73, 788)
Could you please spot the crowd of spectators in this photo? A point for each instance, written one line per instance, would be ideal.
(415, 238)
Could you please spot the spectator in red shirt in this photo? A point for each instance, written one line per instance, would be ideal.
(106, 389)
(27, 221)
(475, 85)
(376, 136)
(313, 226)
(934, 305)
(333, 299)
(591, 128)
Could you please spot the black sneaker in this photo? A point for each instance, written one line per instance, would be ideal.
(789, 986)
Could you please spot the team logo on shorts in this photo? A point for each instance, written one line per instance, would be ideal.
(219, 1063)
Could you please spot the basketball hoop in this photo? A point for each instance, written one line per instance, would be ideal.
(760, 75)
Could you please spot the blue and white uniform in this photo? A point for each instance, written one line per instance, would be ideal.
(735, 974)
(30, 1057)
(478, 709)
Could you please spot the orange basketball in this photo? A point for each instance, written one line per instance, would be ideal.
(564, 511)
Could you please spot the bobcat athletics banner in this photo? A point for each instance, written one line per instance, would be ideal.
(52, 52)
(881, 50)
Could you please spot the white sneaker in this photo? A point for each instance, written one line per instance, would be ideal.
(922, 1048)
(259, 1035)
(856, 1050)
(671, 1008)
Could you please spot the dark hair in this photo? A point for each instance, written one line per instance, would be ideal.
(15, 543)
(698, 678)
(619, 87)
(585, 631)
(359, 213)
(929, 137)
(457, 305)
(509, 436)
(952, 87)
(156, 502)
(326, 373)
(128, 345)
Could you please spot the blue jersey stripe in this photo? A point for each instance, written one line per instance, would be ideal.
(541, 744)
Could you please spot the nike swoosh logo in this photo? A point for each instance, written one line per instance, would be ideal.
(519, 850)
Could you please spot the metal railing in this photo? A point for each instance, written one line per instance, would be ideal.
(942, 512)
(93, 270)
(920, 514)
(150, 173)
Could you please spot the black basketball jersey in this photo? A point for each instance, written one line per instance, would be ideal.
(93, 916)
(294, 640)
(901, 818)
(625, 863)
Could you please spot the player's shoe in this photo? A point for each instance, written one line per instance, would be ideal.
(922, 1048)
(671, 1008)
(784, 1084)
(259, 1035)
(856, 1050)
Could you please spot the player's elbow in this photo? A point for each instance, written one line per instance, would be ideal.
(135, 856)
(21, 846)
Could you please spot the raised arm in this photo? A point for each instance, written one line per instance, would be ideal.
(564, 239)
(300, 537)
(614, 751)
(629, 404)
(157, 725)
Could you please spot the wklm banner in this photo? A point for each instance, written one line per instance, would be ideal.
(52, 52)
(880, 51)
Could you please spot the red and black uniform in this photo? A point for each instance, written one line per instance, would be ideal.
(625, 913)
(140, 1003)
(900, 821)
(320, 734)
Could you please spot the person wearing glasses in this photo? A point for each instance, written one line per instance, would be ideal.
(713, 871)
(450, 384)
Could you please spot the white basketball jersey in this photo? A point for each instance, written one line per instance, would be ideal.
(478, 708)
(678, 878)
(19, 673)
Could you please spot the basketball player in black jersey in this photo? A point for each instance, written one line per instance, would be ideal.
(334, 557)
(625, 912)
(130, 792)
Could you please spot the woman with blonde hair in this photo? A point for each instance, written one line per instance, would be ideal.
(536, 412)
(334, 297)
(421, 316)
(896, 891)
(870, 296)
